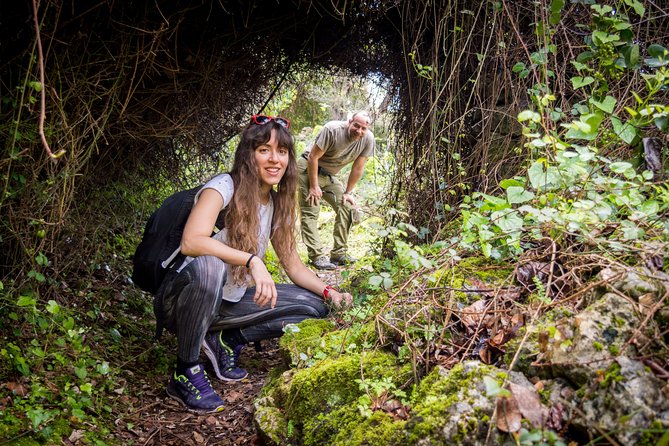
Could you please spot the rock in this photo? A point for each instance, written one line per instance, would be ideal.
(589, 341)
(627, 401)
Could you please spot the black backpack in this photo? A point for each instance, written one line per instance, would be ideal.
(159, 249)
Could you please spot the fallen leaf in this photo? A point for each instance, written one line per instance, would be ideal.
(211, 421)
(17, 389)
(199, 439)
(529, 404)
(76, 435)
(526, 272)
(471, 315)
(508, 414)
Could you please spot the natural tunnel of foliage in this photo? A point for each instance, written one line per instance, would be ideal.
(143, 88)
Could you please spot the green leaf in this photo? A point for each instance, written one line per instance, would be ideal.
(607, 105)
(541, 178)
(26, 301)
(53, 307)
(578, 81)
(518, 194)
(529, 115)
(41, 259)
(504, 184)
(637, 6)
(600, 37)
(493, 389)
(585, 128)
(631, 53)
(620, 166)
(625, 131)
(37, 86)
(517, 68)
(80, 372)
(507, 221)
(657, 51)
(580, 66)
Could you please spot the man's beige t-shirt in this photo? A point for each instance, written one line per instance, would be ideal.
(339, 150)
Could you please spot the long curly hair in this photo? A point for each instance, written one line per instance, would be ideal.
(242, 220)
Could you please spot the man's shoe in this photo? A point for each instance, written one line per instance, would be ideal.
(344, 259)
(223, 357)
(194, 391)
(323, 263)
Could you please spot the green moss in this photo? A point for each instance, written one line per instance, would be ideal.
(331, 382)
(598, 346)
(611, 375)
(436, 394)
(347, 427)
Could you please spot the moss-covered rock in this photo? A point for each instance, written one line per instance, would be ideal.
(316, 339)
(299, 396)
(580, 346)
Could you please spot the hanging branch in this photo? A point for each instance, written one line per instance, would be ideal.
(42, 115)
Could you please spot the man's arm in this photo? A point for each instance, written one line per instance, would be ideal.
(356, 173)
(315, 192)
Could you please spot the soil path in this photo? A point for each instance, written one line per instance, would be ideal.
(163, 421)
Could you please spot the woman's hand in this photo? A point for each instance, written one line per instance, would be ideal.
(340, 300)
(265, 287)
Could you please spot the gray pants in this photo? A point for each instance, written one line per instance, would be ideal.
(189, 304)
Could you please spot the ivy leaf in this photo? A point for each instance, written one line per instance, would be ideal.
(505, 184)
(637, 6)
(26, 301)
(659, 56)
(529, 115)
(585, 128)
(580, 66)
(600, 37)
(540, 177)
(53, 307)
(631, 53)
(578, 81)
(623, 168)
(625, 131)
(518, 194)
(607, 105)
(507, 221)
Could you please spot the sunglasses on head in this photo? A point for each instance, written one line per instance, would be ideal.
(263, 119)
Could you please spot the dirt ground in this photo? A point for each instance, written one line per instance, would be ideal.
(162, 421)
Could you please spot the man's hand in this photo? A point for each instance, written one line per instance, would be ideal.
(340, 300)
(265, 287)
(315, 195)
(348, 198)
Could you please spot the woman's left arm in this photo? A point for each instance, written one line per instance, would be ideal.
(305, 278)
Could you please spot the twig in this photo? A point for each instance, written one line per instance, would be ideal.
(42, 115)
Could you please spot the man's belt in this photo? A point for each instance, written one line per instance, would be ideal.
(321, 171)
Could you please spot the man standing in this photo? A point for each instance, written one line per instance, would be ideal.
(338, 144)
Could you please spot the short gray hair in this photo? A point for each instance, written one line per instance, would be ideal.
(362, 113)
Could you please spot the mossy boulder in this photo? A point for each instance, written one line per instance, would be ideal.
(315, 339)
(582, 345)
(299, 396)
(322, 405)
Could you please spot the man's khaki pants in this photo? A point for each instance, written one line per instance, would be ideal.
(332, 192)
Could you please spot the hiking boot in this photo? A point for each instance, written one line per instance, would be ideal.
(194, 391)
(223, 357)
(323, 263)
(343, 259)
